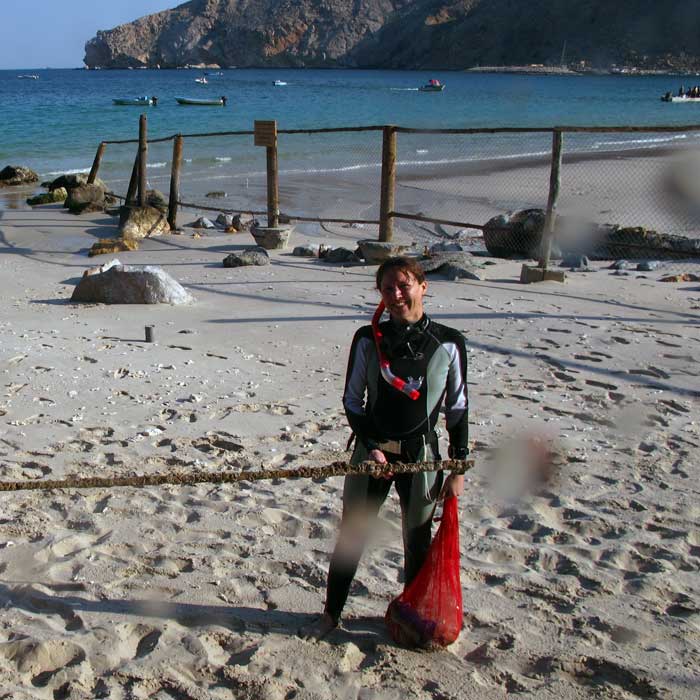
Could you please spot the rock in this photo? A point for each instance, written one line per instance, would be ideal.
(225, 220)
(12, 175)
(244, 222)
(106, 246)
(575, 261)
(648, 265)
(203, 222)
(683, 277)
(376, 252)
(85, 198)
(341, 255)
(142, 222)
(155, 198)
(619, 265)
(445, 247)
(216, 195)
(438, 260)
(99, 269)
(640, 243)
(73, 180)
(127, 284)
(271, 237)
(251, 256)
(305, 251)
(57, 195)
(458, 272)
(516, 234)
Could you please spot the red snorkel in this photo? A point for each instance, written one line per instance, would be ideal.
(409, 388)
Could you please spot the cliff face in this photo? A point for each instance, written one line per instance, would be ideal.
(401, 33)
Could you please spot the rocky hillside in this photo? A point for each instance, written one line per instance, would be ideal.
(442, 34)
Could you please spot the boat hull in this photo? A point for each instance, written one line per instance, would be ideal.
(200, 102)
(431, 88)
(133, 102)
(680, 99)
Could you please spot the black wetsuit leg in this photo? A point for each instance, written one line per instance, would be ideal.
(351, 543)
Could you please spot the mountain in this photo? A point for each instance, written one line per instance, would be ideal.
(428, 34)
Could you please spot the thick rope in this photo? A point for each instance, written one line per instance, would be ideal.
(456, 466)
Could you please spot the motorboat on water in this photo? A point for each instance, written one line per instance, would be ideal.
(202, 101)
(202, 81)
(144, 101)
(279, 83)
(432, 85)
(31, 76)
(214, 73)
(668, 97)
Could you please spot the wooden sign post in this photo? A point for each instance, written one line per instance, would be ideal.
(266, 135)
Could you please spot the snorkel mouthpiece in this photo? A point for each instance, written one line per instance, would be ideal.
(409, 388)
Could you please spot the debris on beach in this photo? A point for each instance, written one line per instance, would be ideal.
(131, 284)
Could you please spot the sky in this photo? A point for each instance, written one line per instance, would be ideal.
(52, 33)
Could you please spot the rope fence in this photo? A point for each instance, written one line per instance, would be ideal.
(456, 466)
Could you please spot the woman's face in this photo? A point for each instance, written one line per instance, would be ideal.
(403, 296)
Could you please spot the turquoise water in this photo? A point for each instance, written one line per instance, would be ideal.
(55, 123)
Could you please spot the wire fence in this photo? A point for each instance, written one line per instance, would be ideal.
(621, 192)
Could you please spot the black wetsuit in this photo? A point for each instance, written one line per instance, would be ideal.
(404, 429)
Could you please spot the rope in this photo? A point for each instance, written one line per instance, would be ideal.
(456, 466)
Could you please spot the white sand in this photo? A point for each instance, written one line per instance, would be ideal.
(588, 590)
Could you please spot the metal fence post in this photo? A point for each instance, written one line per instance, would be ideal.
(175, 182)
(96, 163)
(143, 153)
(388, 187)
(551, 214)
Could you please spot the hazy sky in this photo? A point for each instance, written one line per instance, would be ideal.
(52, 33)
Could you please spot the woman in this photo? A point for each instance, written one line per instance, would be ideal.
(392, 425)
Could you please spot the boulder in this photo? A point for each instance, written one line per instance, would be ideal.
(203, 222)
(517, 234)
(155, 198)
(58, 195)
(130, 284)
(341, 255)
(305, 251)
(244, 222)
(225, 220)
(12, 175)
(452, 271)
(85, 198)
(142, 222)
(438, 260)
(72, 180)
(251, 256)
(376, 252)
(637, 242)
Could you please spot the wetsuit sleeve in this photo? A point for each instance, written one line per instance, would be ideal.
(456, 400)
(354, 396)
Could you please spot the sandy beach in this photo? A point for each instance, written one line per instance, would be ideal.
(588, 588)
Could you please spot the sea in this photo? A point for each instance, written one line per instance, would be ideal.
(53, 124)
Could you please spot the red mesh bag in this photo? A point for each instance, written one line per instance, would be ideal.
(429, 611)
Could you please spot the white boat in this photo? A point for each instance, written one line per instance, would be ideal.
(278, 83)
(31, 76)
(202, 101)
(144, 101)
(679, 98)
(432, 86)
(201, 81)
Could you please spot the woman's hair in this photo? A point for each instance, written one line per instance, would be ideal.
(409, 266)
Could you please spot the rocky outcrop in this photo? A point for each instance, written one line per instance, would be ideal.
(429, 34)
(57, 195)
(12, 175)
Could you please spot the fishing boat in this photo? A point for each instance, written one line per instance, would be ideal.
(144, 101)
(202, 80)
(432, 85)
(202, 101)
(31, 76)
(279, 83)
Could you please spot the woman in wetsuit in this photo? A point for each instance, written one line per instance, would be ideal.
(390, 426)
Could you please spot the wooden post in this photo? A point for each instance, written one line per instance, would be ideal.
(96, 163)
(551, 215)
(143, 153)
(133, 181)
(265, 134)
(388, 186)
(175, 182)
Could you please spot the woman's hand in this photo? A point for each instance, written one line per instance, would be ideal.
(454, 486)
(379, 457)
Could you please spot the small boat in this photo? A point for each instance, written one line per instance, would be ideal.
(202, 102)
(31, 76)
(678, 98)
(432, 85)
(215, 73)
(202, 80)
(279, 83)
(144, 101)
